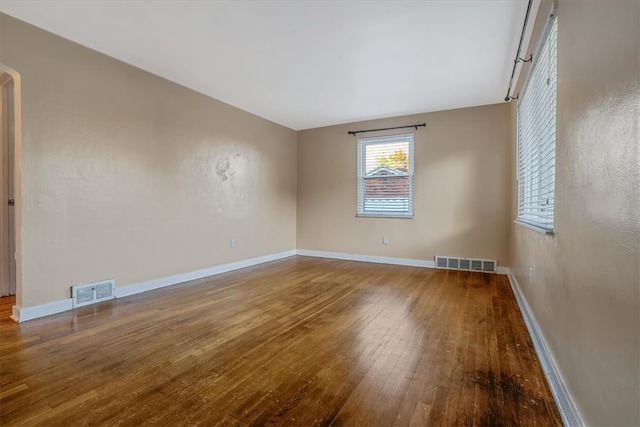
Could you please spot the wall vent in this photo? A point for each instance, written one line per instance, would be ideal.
(468, 264)
(91, 293)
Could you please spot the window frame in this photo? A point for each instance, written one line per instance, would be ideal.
(362, 143)
(535, 147)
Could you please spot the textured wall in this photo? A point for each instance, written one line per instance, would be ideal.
(585, 292)
(462, 187)
(127, 175)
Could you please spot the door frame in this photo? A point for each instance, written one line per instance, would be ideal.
(10, 80)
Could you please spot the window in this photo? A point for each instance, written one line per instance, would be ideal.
(537, 136)
(385, 176)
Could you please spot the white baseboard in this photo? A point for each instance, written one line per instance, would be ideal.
(162, 282)
(568, 410)
(503, 270)
(380, 259)
(368, 258)
(22, 314)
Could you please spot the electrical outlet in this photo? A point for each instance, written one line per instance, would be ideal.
(233, 243)
(385, 240)
(530, 276)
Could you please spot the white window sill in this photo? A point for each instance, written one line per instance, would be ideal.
(544, 231)
(381, 215)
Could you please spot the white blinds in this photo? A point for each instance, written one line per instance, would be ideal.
(537, 137)
(385, 176)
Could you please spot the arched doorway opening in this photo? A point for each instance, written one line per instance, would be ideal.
(10, 192)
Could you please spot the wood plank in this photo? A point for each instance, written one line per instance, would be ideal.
(6, 308)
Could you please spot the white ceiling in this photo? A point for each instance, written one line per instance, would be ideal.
(305, 64)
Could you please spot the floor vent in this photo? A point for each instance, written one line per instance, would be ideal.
(469, 264)
(91, 293)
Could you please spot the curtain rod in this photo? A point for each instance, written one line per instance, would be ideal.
(517, 58)
(355, 132)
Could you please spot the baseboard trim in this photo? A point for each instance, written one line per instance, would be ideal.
(162, 282)
(568, 410)
(380, 259)
(368, 258)
(22, 314)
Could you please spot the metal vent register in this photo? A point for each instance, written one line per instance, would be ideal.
(468, 264)
(91, 293)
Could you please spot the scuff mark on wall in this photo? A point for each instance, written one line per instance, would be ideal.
(229, 179)
(223, 169)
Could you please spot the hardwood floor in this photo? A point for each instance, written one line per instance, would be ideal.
(302, 341)
(6, 304)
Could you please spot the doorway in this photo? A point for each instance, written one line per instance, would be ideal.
(10, 188)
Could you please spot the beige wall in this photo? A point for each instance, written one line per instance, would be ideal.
(585, 292)
(127, 175)
(462, 187)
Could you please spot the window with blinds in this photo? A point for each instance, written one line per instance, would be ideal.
(385, 176)
(537, 136)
